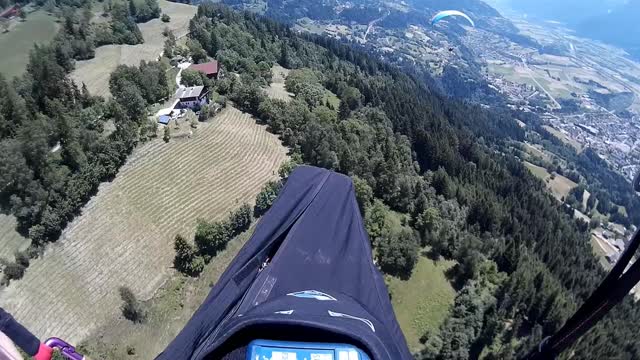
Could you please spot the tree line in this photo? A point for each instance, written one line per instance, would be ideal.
(445, 164)
(212, 237)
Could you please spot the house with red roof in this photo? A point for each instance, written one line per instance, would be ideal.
(10, 12)
(211, 69)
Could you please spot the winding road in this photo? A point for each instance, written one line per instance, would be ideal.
(372, 23)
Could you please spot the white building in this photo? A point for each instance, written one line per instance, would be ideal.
(192, 97)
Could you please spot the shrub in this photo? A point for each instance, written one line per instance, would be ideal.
(266, 197)
(165, 18)
(398, 253)
(167, 134)
(190, 77)
(212, 237)
(240, 220)
(131, 350)
(22, 258)
(13, 271)
(186, 260)
(288, 166)
(132, 309)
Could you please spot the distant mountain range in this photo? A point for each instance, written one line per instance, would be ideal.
(611, 21)
(361, 11)
(571, 12)
(619, 27)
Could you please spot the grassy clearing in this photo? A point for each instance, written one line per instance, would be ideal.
(124, 236)
(536, 152)
(422, 303)
(39, 28)
(559, 186)
(538, 171)
(169, 310)
(585, 198)
(599, 253)
(276, 89)
(564, 138)
(10, 239)
(332, 99)
(95, 72)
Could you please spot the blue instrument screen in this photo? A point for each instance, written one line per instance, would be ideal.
(290, 350)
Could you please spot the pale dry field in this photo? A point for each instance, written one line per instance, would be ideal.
(95, 72)
(10, 239)
(124, 236)
(276, 90)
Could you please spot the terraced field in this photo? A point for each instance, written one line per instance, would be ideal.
(10, 240)
(125, 235)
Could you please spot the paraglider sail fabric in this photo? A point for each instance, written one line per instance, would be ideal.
(444, 14)
(319, 279)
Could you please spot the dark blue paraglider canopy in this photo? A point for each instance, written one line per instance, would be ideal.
(319, 284)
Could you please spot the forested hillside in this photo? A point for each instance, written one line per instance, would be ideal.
(523, 264)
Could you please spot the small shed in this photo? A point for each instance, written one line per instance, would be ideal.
(164, 119)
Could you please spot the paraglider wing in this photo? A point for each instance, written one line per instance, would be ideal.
(319, 283)
(443, 14)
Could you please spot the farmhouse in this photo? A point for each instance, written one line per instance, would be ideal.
(211, 69)
(192, 97)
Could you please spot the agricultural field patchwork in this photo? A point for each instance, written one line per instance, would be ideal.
(95, 72)
(124, 236)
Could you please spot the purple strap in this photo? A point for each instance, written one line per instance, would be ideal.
(66, 349)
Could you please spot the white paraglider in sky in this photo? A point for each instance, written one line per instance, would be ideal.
(444, 14)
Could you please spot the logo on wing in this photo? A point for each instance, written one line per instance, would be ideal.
(312, 294)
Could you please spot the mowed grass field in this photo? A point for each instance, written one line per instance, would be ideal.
(95, 72)
(559, 185)
(124, 236)
(276, 89)
(422, 303)
(10, 239)
(39, 28)
(169, 310)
